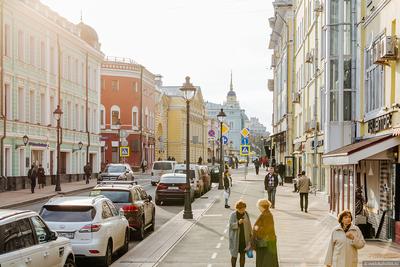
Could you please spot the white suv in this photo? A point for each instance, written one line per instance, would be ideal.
(26, 240)
(93, 224)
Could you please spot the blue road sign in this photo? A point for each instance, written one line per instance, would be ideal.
(245, 141)
(244, 150)
(224, 139)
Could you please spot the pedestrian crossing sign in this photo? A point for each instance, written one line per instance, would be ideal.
(124, 151)
(244, 150)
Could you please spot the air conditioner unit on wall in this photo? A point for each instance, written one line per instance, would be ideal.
(376, 53)
(309, 57)
(295, 97)
(388, 47)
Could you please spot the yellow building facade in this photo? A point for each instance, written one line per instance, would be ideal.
(176, 143)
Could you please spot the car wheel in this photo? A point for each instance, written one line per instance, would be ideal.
(140, 231)
(107, 260)
(153, 183)
(153, 221)
(125, 247)
(69, 263)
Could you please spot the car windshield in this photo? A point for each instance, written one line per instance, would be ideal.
(116, 196)
(192, 174)
(162, 166)
(114, 168)
(54, 213)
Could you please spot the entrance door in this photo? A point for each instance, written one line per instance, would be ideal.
(7, 163)
(36, 157)
(63, 163)
(22, 170)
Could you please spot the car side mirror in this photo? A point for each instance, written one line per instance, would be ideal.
(53, 236)
(121, 212)
(149, 198)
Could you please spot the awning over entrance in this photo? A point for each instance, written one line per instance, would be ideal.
(352, 154)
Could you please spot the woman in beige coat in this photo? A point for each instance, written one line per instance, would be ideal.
(346, 240)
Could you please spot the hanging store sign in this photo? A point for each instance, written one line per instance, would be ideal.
(380, 123)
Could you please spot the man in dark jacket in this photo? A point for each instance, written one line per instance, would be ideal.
(271, 182)
(281, 172)
(32, 174)
(88, 171)
(257, 165)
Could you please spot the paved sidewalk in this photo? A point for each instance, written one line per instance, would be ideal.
(10, 199)
(302, 237)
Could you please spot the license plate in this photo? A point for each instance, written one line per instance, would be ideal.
(173, 187)
(69, 235)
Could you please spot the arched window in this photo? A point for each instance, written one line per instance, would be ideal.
(114, 116)
(102, 117)
(134, 117)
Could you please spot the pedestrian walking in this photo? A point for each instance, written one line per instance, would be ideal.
(239, 233)
(87, 169)
(41, 176)
(227, 188)
(281, 172)
(346, 240)
(257, 165)
(236, 163)
(303, 186)
(271, 183)
(264, 237)
(143, 165)
(295, 181)
(32, 174)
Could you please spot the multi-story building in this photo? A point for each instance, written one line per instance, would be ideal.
(127, 114)
(283, 83)
(256, 128)
(161, 111)
(48, 62)
(235, 119)
(366, 173)
(177, 125)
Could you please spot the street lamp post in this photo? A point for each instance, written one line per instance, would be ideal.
(57, 116)
(188, 91)
(221, 116)
(118, 126)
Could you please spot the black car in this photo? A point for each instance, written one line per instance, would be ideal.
(172, 187)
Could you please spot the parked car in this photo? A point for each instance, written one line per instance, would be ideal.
(159, 168)
(93, 224)
(205, 176)
(26, 240)
(116, 172)
(194, 176)
(137, 205)
(172, 187)
(215, 174)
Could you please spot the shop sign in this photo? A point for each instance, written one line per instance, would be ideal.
(380, 123)
(37, 144)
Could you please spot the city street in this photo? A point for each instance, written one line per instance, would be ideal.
(163, 213)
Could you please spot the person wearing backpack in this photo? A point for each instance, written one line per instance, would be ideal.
(32, 174)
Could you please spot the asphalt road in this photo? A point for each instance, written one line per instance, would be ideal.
(163, 213)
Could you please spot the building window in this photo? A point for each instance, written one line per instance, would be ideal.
(42, 109)
(69, 115)
(9, 101)
(7, 40)
(32, 106)
(21, 45)
(322, 108)
(82, 121)
(134, 87)
(374, 83)
(102, 117)
(69, 68)
(21, 104)
(134, 117)
(76, 71)
(103, 84)
(42, 55)
(115, 116)
(76, 125)
(115, 85)
(52, 109)
(32, 50)
(52, 61)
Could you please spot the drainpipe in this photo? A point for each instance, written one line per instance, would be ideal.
(141, 115)
(87, 108)
(353, 67)
(3, 96)
(315, 167)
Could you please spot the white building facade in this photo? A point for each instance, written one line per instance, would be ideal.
(48, 61)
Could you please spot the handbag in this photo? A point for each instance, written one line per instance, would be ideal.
(249, 253)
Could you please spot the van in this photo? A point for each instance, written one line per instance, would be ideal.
(195, 177)
(159, 168)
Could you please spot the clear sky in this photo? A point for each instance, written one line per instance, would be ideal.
(204, 39)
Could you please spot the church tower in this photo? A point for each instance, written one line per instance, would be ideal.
(231, 98)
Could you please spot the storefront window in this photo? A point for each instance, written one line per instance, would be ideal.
(334, 11)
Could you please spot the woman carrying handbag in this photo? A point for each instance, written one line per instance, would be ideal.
(264, 238)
